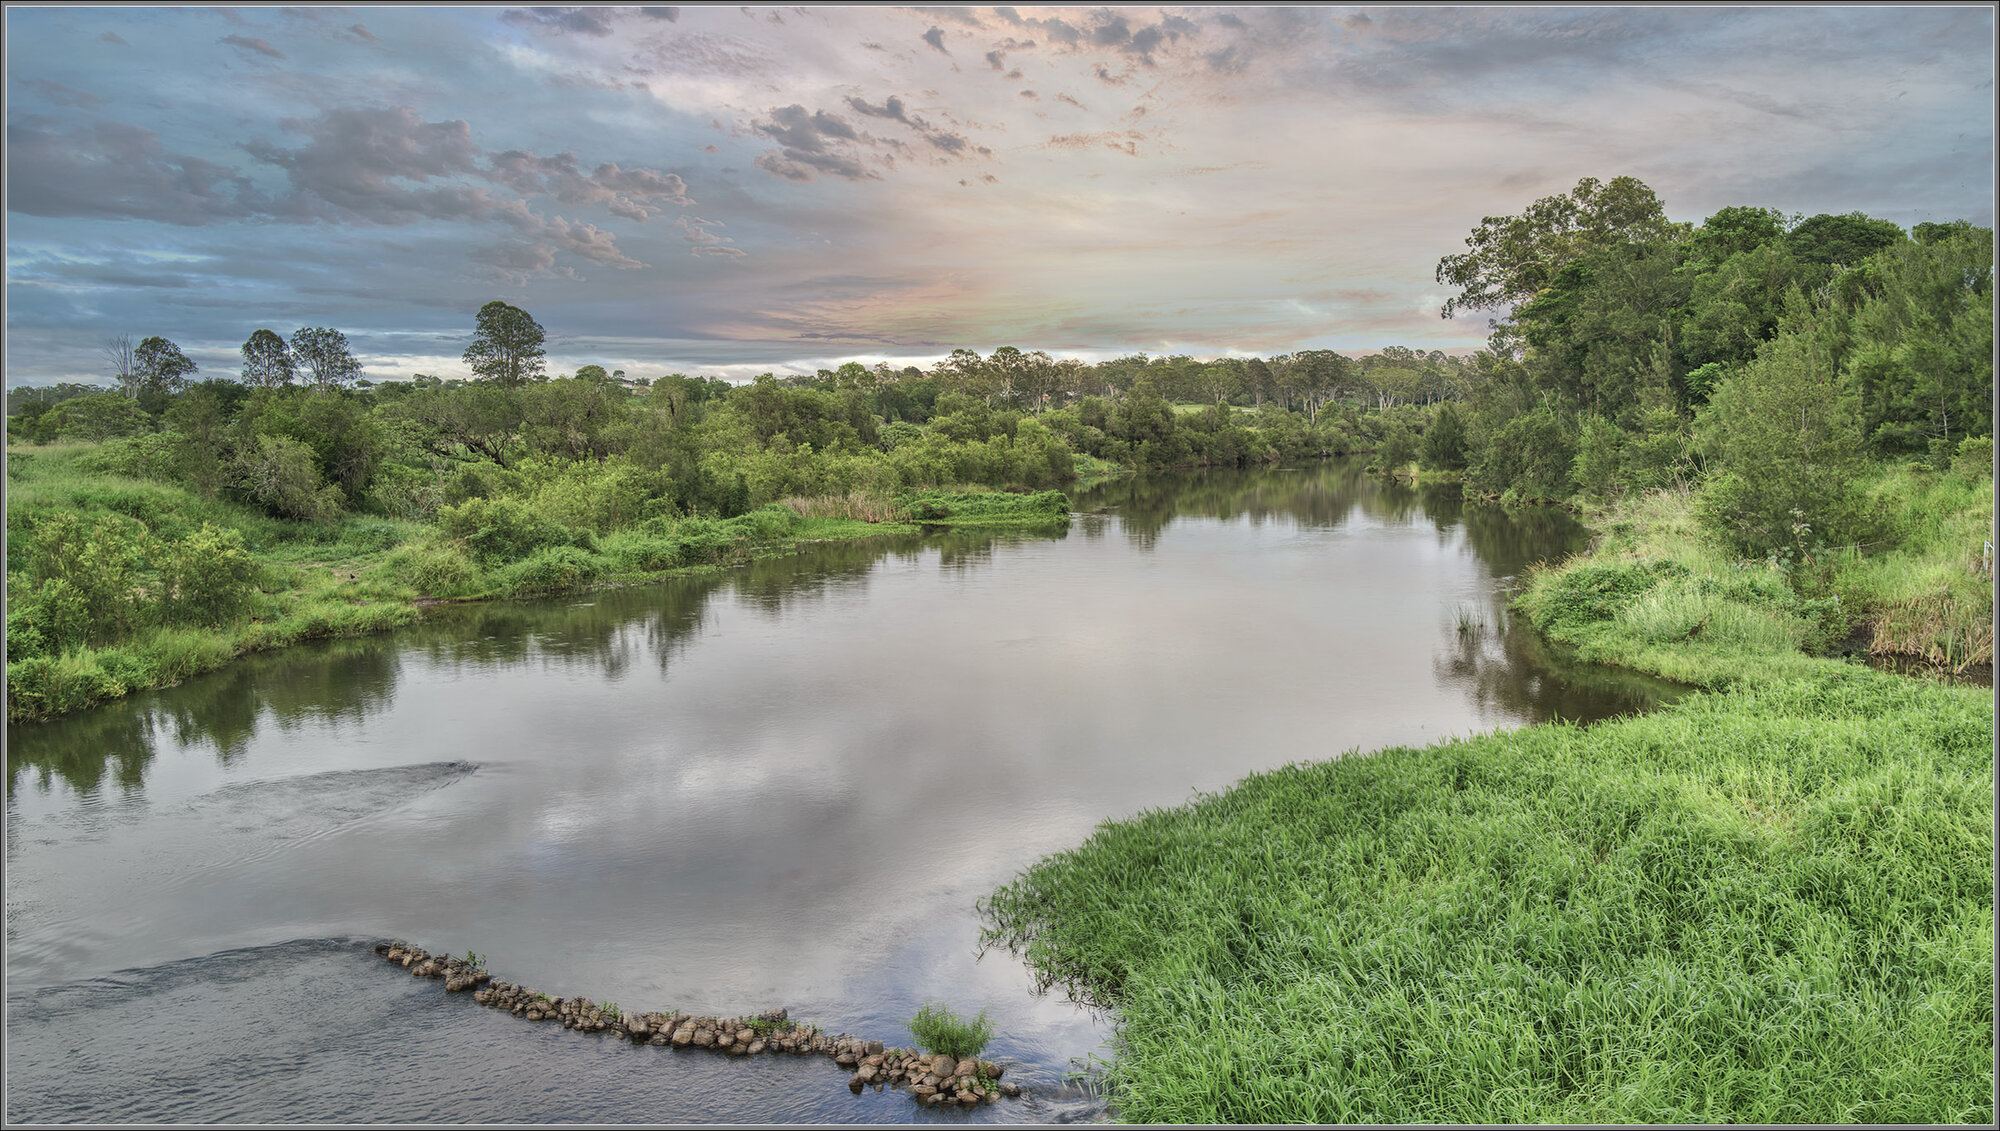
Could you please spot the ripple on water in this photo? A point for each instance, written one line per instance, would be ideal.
(318, 1031)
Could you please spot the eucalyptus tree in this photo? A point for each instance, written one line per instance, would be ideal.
(506, 345)
(267, 361)
(323, 355)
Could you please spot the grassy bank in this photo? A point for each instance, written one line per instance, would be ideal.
(161, 583)
(1770, 902)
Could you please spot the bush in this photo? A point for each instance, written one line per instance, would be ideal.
(939, 1031)
(556, 569)
(501, 530)
(436, 571)
(206, 577)
(282, 474)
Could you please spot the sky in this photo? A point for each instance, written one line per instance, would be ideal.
(728, 191)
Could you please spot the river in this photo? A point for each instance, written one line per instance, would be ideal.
(782, 785)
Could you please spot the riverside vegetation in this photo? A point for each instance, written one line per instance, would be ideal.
(1771, 901)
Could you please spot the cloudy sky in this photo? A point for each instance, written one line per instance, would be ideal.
(728, 190)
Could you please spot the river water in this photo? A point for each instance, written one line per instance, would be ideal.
(782, 785)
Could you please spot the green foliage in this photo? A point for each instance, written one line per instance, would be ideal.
(1783, 447)
(941, 1032)
(1446, 441)
(98, 416)
(206, 578)
(281, 474)
(501, 530)
(506, 345)
(551, 570)
(436, 570)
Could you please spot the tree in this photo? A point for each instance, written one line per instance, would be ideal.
(324, 356)
(159, 366)
(1445, 441)
(506, 345)
(1782, 440)
(117, 350)
(1844, 240)
(267, 361)
(1513, 258)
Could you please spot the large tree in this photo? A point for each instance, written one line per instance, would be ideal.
(323, 354)
(1514, 258)
(267, 360)
(506, 345)
(159, 366)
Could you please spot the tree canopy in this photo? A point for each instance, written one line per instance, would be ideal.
(506, 345)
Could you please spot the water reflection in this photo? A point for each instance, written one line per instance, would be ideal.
(784, 784)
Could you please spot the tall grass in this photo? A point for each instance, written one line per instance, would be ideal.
(1771, 905)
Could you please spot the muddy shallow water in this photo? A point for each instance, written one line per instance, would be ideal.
(783, 785)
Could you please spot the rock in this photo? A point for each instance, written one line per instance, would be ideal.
(657, 1039)
(854, 1083)
(683, 1036)
(873, 1060)
(929, 1099)
(637, 1027)
(774, 1015)
(745, 1036)
(966, 1097)
(867, 1073)
(945, 1066)
(966, 1067)
(991, 1070)
(922, 1090)
(704, 1038)
(872, 1048)
(845, 1059)
(725, 1039)
(757, 1047)
(1010, 1089)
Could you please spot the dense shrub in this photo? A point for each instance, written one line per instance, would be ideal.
(552, 570)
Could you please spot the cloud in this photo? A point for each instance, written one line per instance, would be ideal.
(635, 194)
(935, 37)
(256, 45)
(113, 37)
(353, 159)
(583, 21)
(361, 32)
(61, 95)
(669, 14)
(110, 170)
(695, 230)
(939, 138)
(803, 151)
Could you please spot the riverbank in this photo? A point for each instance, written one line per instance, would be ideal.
(1769, 902)
(276, 583)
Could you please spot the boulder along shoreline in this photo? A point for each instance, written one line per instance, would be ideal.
(934, 1081)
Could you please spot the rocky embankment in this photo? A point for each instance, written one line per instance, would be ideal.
(931, 1080)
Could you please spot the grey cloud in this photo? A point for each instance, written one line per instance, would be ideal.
(352, 156)
(635, 194)
(935, 37)
(62, 95)
(583, 21)
(793, 128)
(113, 37)
(717, 250)
(996, 60)
(1031, 95)
(941, 139)
(669, 14)
(361, 32)
(1111, 32)
(114, 171)
(256, 45)
(1071, 101)
(795, 165)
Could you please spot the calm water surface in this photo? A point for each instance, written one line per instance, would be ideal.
(786, 784)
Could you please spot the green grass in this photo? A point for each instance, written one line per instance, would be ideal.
(1769, 905)
(1769, 902)
(367, 573)
(940, 1031)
